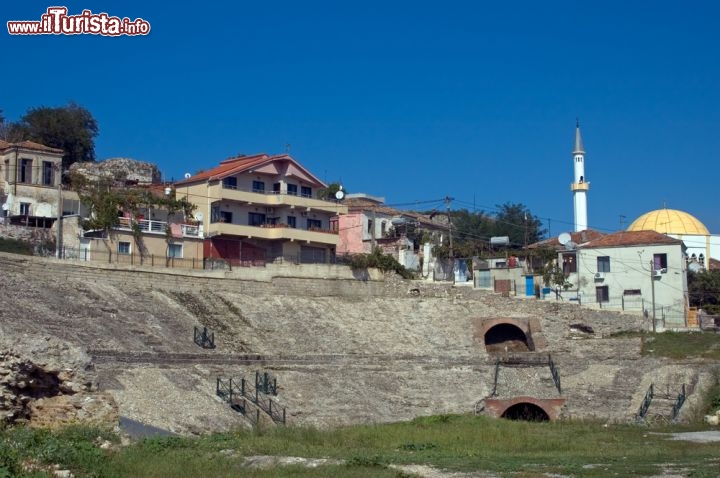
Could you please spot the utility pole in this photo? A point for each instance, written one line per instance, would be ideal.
(58, 225)
(652, 286)
(448, 200)
(372, 229)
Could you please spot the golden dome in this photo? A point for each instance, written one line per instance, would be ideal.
(669, 221)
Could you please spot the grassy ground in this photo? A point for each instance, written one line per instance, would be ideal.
(679, 345)
(451, 442)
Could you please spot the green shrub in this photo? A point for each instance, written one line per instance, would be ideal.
(378, 260)
(15, 246)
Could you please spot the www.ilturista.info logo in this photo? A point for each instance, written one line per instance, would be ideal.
(57, 22)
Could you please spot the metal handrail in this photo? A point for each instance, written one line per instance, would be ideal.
(555, 374)
(203, 337)
(645, 405)
(678, 403)
(495, 382)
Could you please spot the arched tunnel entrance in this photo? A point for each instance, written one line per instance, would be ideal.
(528, 412)
(506, 338)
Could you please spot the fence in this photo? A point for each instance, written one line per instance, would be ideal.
(151, 260)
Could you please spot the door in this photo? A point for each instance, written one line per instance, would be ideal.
(529, 285)
(84, 249)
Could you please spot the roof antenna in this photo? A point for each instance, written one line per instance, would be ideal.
(287, 148)
(577, 122)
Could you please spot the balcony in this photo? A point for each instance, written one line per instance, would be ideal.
(274, 232)
(159, 227)
(273, 199)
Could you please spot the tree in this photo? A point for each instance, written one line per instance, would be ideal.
(516, 222)
(71, 128)
(330, 190)
(9, 131)
(704, 290)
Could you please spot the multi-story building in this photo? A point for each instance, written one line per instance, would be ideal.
(642, 270)
(30, 174)
(259, 208)
(370, 223)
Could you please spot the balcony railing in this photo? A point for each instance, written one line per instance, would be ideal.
(272, 192)
(157, 227)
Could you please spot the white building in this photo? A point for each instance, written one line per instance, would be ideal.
(632, 270)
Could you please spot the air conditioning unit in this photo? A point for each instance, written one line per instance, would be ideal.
(663, 270)
(658, 272)
(599, 276)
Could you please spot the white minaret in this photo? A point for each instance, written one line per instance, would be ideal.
(580, 184)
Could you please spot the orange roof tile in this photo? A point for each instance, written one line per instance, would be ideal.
(31, 145)
(576, 237)
(631, 238)
(362, 204)
(241, 164)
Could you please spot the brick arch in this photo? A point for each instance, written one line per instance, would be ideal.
(503, 335)
(498, 407)
(526, 330)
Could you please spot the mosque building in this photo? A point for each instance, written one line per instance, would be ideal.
(701, 245)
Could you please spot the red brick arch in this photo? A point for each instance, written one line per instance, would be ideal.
(497, 407)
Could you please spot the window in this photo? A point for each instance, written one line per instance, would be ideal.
(306, 191)
(258, 187)
(370, 226)
(123, 247)
(602, 294)
(603, 264)
(24, 208)
(632, 292)
(7, 170)
(292, 189)
(175, 250)
(276, 188)
(47, 173)
(215, 213)
(659, 261)
(292, 221)
(569, 263)
(256, 219)
(383, 226)
(230, 183)
(226, 216)
(314, 224)
(26, 170)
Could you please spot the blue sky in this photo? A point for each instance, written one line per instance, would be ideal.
(412, 101)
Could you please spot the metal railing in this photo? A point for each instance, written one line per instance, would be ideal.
(555, 374)
(495, 380)
(203, 337)
(159, 227)
(678, 403)
(114, 257)
(228, 391)
(645, 405)
(266, 383)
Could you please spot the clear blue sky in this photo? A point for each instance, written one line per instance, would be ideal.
(412, 101)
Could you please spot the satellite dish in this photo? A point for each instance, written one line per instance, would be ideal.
(570, 246)
(564, 238)
(398, 221)
(187, 175)
(339, 194)
(5, 207)
(199, 216)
